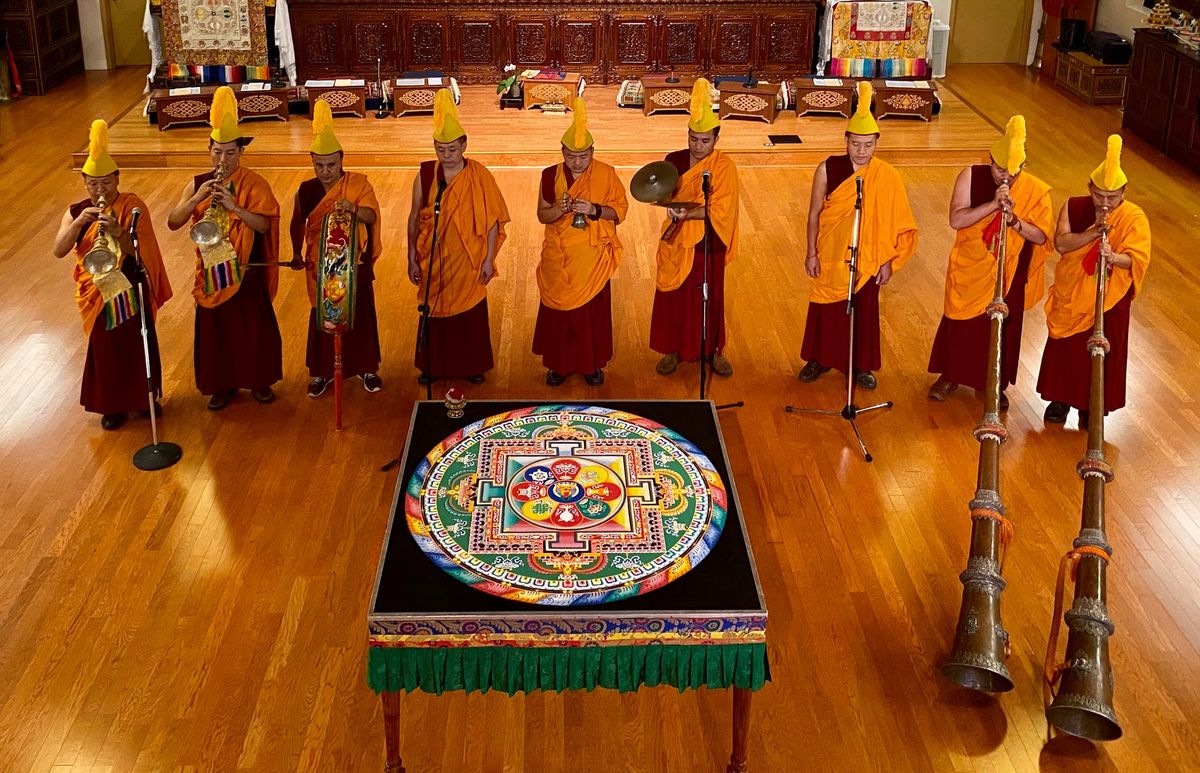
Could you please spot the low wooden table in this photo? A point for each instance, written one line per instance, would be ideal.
(547, 91)
(904, 98)
(741, 101)
(825, 95)
(658, 95)
(174, 110)
(415, 95)
(343, 100)
(1090, 79)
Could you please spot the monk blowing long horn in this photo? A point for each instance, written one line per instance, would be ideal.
(1082, 705)
(980, 641)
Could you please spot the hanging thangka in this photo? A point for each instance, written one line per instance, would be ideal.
(215, 32)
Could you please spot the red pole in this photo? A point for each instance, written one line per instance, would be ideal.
(337, 378)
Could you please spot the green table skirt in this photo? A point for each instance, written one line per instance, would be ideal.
(524, 669)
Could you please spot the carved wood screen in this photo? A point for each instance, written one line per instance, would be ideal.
(606, 43)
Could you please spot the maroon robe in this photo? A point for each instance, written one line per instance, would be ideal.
(827, 331)
(360, 343)
(960, 348)
(237, 344)
(675, 317)
(114, 371)
(1066, 372)
(460, 345)
(579, 340)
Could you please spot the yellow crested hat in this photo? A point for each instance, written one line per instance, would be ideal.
(99, 163)
(1109, 176)
(703, 118)
(224, 116)
(324, 143)
(862, 122)
(1009, 150)
(446, 127)
(577, 137)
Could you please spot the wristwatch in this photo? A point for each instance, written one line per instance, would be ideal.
(597, 210)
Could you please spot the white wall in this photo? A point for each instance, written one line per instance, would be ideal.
(941, 9)
(92, 30)
(1120, 16)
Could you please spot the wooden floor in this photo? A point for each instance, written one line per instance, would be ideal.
(212, 617)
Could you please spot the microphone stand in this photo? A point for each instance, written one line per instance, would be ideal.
(850, 411)
(382, 111)
(705, 355)
(156, 456)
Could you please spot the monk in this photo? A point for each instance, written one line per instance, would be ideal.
(675, 320)
(470, 231)
(114, 372)
(574, 323)
(237, 342)
(887, 240)
(981, 194)
(1065, 377)
(331, 189)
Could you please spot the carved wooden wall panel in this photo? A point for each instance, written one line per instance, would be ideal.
(606, 41)
(531, 40)
(425, 42)
(734, 42)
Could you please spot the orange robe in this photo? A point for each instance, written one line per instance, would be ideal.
(676, 255)
(252, 193)
(471, 205)
(887, 232)
(460, 343)
(577, 263)
(573, 333)
(1065, 375)
(1071, 306)
(675, 325)
(87, 297)
(960, 348)
(237, 341)
(114, 371)
(360, 343)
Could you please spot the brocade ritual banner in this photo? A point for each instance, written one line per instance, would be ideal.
(215, 32)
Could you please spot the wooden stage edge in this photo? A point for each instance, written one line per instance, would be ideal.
(527, 139)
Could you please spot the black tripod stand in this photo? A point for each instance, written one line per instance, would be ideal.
(156, 456)
(423, 345)
(850, 411)
(706, 356)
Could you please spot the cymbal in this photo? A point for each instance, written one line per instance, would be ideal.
(654, 182)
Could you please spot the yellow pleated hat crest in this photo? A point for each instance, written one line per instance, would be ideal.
(1109, 176)
(99, 163)
(577, 137)
(223, 117)
(1009, 150)
(446, 127)
(324, 142)
(862, 122)
(703, 119)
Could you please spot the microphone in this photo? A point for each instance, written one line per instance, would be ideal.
(137, 213)
(705, 181)
(858, 184)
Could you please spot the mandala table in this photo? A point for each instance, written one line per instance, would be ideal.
(558, 547)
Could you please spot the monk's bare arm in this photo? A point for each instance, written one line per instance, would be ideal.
(414, 268)
(548, 213)
(488, 270)
(68, 231)
(962, 214)
(188, 201)
(1065, 241)
(816, 203)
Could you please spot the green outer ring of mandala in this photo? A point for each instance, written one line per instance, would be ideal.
(464, 516)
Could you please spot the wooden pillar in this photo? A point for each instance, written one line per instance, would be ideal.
(391, 730)
(741, 730)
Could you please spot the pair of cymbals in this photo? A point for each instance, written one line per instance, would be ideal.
(654, 183)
